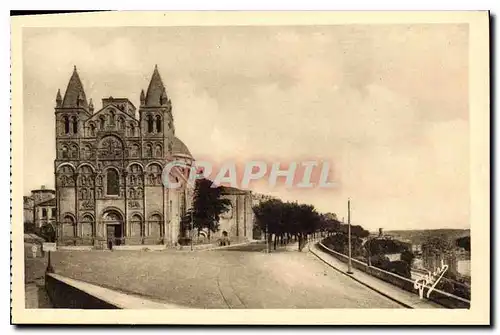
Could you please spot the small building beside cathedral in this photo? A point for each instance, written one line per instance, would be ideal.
(108, 171)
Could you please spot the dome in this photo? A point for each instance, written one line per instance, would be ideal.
(180, 149)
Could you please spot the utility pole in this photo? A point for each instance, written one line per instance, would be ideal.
(349, 264)
(192, 226)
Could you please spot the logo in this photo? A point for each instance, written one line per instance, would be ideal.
(303, 175)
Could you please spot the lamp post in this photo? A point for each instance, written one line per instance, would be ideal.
(192, 227)
(349, 263)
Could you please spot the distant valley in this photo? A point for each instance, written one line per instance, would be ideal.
(419, 236)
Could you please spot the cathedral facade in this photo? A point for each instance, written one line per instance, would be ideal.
(108, 171)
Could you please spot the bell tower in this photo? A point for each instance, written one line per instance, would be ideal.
(70, 111)
(157, 126)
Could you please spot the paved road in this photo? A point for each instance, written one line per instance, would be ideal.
(239, 277)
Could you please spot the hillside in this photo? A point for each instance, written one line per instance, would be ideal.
(419, 236)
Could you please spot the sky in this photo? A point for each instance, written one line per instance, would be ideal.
(385, 105)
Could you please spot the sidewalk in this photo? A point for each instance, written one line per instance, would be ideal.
(36, 296)
(401, 296)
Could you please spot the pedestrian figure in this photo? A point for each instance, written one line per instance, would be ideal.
(34, 249)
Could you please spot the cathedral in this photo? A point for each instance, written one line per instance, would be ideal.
(108, 172)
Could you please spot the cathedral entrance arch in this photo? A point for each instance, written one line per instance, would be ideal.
(113, 221)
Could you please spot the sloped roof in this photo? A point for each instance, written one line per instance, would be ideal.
(155, 89)
(50, 202)
(73, 91)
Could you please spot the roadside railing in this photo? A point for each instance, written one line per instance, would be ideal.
(443, 298)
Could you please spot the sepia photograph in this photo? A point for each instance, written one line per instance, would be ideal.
(302, 168)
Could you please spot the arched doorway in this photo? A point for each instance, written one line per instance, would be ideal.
(113, 222)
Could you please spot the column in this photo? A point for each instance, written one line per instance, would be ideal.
(76, 228)
(126, 228)
(94, 196)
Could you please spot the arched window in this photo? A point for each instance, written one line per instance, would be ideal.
(149, 150)
(102, 122)
(66, 125)
(158, 123)
(136, 226)
(87, 226)
(150, 123)
(112, 182)
(74, 151)
(132, 129)
(75, 125)
(121, 123)
(155, 226)
(69, 226)
(158, 150)
(154, 175)
(92, 129)
(112, 117)
(134, 150)
(86, 151)
(64, 151)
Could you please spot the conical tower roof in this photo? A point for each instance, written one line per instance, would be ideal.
(74, 92)
(155, 89)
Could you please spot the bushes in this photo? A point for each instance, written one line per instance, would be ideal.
(48, 233)
(408, 257)
(184, 241)
(340, 243)
(29, 227)
(385, 246)
(400, 268)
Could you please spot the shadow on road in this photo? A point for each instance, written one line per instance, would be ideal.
(261, 247)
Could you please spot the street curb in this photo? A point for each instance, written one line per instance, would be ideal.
(225, 247)
(360, 281)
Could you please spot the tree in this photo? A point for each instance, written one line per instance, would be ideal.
(279, 219)
(382, 246)
(340, 243)
(359, 231)
(308, 221)
(268, 216)
(29, 227)
(407, 256)
(463, 242)
(207, 207)
(48, 233)
(436, 245)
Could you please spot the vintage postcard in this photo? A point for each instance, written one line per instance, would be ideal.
(308, 168)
